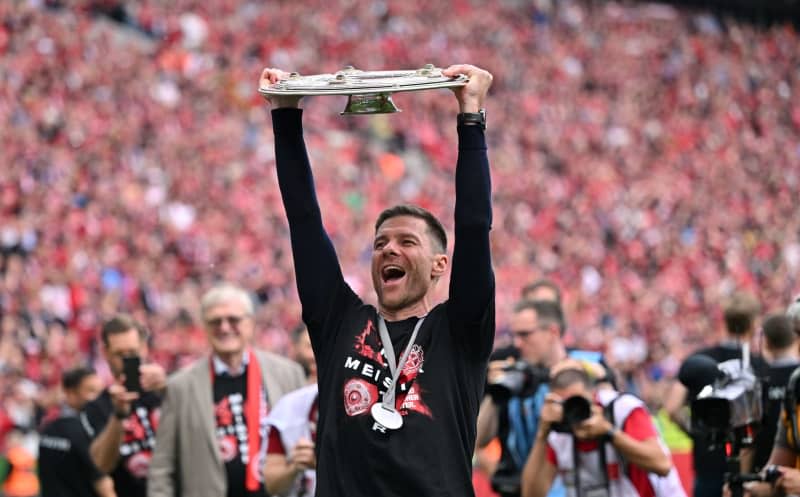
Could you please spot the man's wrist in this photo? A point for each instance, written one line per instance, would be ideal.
(470, 106)
(542, 432)
(611, 433)
(120, 414)
(473, 119)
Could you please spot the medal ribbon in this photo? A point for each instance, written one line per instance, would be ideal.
(395, 368)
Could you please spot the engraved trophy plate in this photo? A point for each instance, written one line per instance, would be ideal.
(370, 91)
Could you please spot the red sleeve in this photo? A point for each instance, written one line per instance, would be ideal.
(551, 456)
(274, 443)
(638, 425)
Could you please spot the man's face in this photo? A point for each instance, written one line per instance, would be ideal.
(126, 344)
(229, 327)
(88, 390)
(404, 262)
(534, 340)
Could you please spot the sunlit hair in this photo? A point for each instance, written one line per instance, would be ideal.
(542, 283)
(547, 312)
(570, 376)
(740, 313)
(793, 313)
(435, 228)
(226, 292)
(122, 323)
(71, 379)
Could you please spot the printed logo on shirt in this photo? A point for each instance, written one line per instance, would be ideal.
(227, 448)
(372, 376)
(138, 464)
(138, 441)
(358, 396)
(231, 427)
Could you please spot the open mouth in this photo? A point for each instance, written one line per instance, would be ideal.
(391, 274)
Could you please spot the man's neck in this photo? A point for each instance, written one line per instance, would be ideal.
(418, 309)
(558, 355)
(233, 360)
(785, 355)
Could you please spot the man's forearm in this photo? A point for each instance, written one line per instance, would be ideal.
(535, 480)
(105, 448)
(647, 454)
(487, 422)
(472, 279)
(104, 487)
(317, 269)
(278, 474)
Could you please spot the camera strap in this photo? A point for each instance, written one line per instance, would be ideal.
(591, 491)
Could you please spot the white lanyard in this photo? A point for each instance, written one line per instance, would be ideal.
(385, 412)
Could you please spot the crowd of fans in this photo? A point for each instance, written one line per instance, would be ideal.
(645, 158)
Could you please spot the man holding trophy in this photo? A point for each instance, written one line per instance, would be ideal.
(400, 384)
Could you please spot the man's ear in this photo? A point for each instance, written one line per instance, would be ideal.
(439, 265)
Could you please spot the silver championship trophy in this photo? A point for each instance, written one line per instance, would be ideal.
(370, 92)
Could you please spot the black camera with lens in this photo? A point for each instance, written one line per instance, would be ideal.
(518, 379)
(577, 409)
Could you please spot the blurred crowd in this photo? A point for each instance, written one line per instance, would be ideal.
(645, 158)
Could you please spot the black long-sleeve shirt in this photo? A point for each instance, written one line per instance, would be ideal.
(440, 389)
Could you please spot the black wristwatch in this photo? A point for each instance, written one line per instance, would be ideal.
(473, 118)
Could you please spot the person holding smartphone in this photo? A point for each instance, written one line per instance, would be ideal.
(122, 421)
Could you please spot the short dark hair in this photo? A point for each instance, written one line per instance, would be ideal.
(542, 283)
(568, 377)
(120, 323)
(72, 378)
(435, 228)
(740, 313)
(779, 332)
(546, 311)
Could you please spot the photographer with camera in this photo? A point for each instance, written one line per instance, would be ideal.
(517, 388)
(709, 458)
(601, 442)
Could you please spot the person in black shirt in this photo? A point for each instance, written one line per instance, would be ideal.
(123, 424)
(709, 463)
(65, 468)
(411, 434)
(782, 358)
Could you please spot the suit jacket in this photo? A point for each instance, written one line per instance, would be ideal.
(186, 461)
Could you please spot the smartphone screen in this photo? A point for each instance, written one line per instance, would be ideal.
(130, 368)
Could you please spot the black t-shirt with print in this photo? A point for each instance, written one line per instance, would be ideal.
(65, 467)
(230, 396)
(139, 439)
(442, 383)
(773, 394)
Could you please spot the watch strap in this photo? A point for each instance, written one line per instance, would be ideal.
(473, 119)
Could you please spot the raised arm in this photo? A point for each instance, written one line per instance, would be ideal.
(472, 279)
(316, 266)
